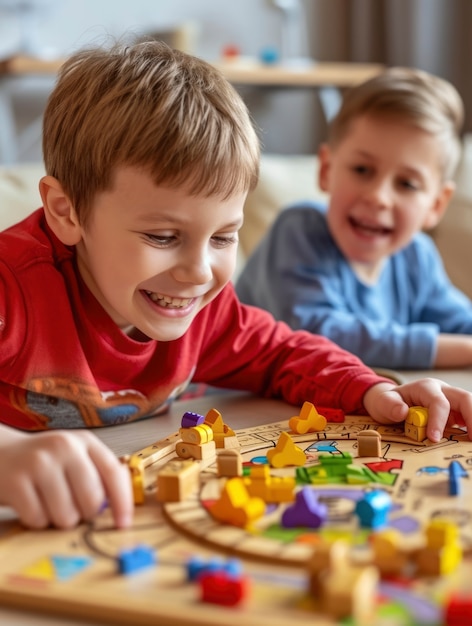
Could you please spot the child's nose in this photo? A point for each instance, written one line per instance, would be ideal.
(194, 268)
(379, 193)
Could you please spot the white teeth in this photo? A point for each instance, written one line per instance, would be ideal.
(167, 301)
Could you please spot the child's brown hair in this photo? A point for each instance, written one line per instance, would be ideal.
(152, 107)
(411, 96)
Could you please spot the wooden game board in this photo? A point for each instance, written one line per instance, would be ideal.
(75, 572)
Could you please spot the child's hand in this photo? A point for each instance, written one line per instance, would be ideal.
(389, 403)
(60, 478)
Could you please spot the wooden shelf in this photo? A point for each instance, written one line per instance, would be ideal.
(244, 71)
(252, 72)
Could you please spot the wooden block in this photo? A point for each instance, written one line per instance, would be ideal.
(177, 480)
(230, 443)
(350, 591)
(156, 451)
(194, 451)
(388, 555)
(369, 443)
(229, 463)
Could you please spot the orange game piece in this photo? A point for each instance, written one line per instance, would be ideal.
(235, 506)
(308, 421)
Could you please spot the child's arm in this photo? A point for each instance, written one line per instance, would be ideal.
(300, 277)
(388, 403)
(453, 351)
(61, 477)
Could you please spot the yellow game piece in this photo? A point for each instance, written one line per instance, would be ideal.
(286, 453)
(261, 484)
(235, 506)
(196, 434)
(136, 469)
(416, 422)
(308, 421)
(443, 552)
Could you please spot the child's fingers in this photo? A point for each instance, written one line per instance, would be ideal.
(25, 500)
(59, 501)
(87, 487)
(440, 399)
(117, 484)
(456, 419)
(461, 408)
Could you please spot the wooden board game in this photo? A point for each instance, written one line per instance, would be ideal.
(75, 572)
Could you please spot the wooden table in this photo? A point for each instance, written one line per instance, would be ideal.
(327, 78)
(240, 410)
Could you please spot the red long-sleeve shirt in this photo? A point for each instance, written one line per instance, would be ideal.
(65, 364)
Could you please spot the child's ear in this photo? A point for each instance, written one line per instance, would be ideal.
(440, 205)
(59, 211)
(324, 159)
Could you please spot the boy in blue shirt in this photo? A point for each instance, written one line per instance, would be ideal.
(360, 271)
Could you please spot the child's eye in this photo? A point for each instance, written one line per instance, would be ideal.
(222, 242)
(363, 170)
(407, 184)
(161, 240)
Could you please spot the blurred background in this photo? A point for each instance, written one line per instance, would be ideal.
(430, 34)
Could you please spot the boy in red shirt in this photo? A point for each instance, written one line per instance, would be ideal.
(117, 292)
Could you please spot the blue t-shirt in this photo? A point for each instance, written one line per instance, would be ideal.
(300, 276)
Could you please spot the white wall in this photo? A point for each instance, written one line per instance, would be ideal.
(65, 25)
(68, 24)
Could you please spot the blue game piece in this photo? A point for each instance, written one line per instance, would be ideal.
(233, 568)
(372, 510)
(134, 559)
(456, 472)
(196, 566)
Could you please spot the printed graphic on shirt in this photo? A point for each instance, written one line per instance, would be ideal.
(54, 403)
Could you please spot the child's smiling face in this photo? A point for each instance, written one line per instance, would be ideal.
(385, 184)
(154, 256)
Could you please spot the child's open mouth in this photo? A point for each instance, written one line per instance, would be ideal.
(369, 229)
(167, 301)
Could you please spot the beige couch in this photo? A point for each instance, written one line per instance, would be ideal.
(284, 179)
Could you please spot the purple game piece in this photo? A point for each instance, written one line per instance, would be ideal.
(190, 419)
(306, 511)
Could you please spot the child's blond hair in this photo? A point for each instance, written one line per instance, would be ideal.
(411, 96)
(148, 106)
